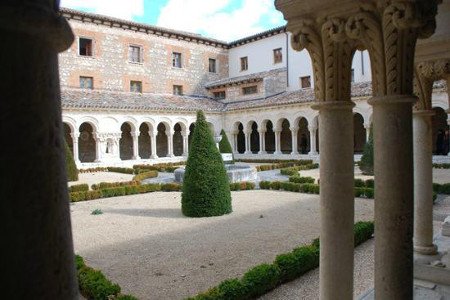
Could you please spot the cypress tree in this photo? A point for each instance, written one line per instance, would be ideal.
(71, 167)
(206, 189)
(224, 144)
(366, 163)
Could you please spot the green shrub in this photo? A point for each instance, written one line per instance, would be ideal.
(441, 166)
(275, 185)
(366, 163)
(289, 171)
(94, 285)
(261, 279)
(242, 186)
(359, 182)
(162, 167)
(171, 187)
(106, 185)
(113, 192)
(299, 179)
(264, 185)
(148, 188)
(79, 188)
(93, 170)
(125, 297)
(369, 192)
(79, 262)
(121, 170)
(441, 188)
(297, 263)
(83, 196)
(434, 197)
(206, 189)
(363, 231)
(71, 167)
(370, 183)
(224, 144)
(146, 175)
(232, 289)
(359, 192)
(97, 212)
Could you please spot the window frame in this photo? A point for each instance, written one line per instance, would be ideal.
(301, 82)
(219, 92)
(79, 46)
(215, 65)
(141, 54)
(140, 85)
(177, 86)
(174, 55)
(244, 63)
(83, 78)
(254, 90)
(275, 57)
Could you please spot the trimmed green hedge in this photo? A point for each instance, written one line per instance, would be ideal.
(79, 188)
(145, 175)
(294, 170)
(121, 170)
(441, 188)
(162, 167)
(94, 285)
(284, 164)
(441, 166)
(286, 267)
(224, 144)
(299, 179)
(105, 185)
(308, 188)
(242, 186)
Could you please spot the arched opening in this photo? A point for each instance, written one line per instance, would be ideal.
(144, 141)
(359, 133)
(241, 139)
(86, 143)
(126, 142)
(254, 138)
(285, 137)
(68, 136)
(162, 146)
(440, 132)
(191, 132)
(303, 142)
(269, 137)
(177, 140)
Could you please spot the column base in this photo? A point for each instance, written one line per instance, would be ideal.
(425, 250)
(313, 153)
(278, 153)
(154, 156)
(136, 157)
(426, 259)
(262, 152)
(248, 152)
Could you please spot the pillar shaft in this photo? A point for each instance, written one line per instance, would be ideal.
(135, 137)
(262, 142)
(394, 204)
(423, 183)
(169, 134)
(294, 133)
(37, 253)
(248, 143)
(153, 145)
(185, 145)
(76, 155)
(277, 142)
(312, 140)
(98, 149)
(367, 128)
(235, 142)
(336, 200)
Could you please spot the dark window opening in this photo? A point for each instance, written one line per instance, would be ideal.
(250, 90)
(85, 47)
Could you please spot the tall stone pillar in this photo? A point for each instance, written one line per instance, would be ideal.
(235, 142)
(277, 141)
(248, 142)
(98, 148)
(367, 128)
(312, 140)
(294, 132)
(76, 156)
(262, 142)
(169, 134)
(135, 137)
(38, 250)
(423, 183)
(153, 135)
(448, 123)
(185, 144)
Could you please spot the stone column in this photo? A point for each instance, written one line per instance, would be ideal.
(312, 140)
(76, 156)
(98, 148)
(336, 199)
(448, 123)
(248, 142)
(235, 142)
(277, 141)
(169, 134)
(135, 137)
(185, 144)
(423, 183)
(37, 250)
(294, 132)
(262, 142)
(367, 128)
(153, 145)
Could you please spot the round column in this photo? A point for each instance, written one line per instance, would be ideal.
(423, 183)
(312, 140)
(135, 137)
(336, 199)
(76, 156)
(153, 145)
(169, 134)
(294, 132)
(394, 203)
(248, 142)
(277, 142)
(262, 142)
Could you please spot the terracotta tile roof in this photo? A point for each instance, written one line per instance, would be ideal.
(243, 79)
(101, 99)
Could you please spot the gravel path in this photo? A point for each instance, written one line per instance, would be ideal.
(145, 244)
(97, 177)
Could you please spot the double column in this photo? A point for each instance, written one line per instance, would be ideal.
(169, 134)
(76, 156)
(294, 132)
(135, 137)
(277, 141)
(262, 141)
(248, 143)
(153, 135)
(312, 140)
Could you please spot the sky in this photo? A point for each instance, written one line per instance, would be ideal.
(225, 20)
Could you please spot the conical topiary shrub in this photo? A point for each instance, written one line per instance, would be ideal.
(366, 163)
(225, 146)
(206, 190)
(71, 167)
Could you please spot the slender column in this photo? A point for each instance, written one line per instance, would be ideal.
(448, 123)
(294, 132)
(153, 145)
(277, 141)
(135, 137)
(98, 148)
(185, 144)
(336, 199)
(76, 156)
(262, 142)
(367, 128)
(248, 143)
(394, 203)
(423, 183)
(235, 142)
(169, 134)
(38, 255)
(312, 140)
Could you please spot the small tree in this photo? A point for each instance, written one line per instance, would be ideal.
(71, 167)
(224, 145)
(366, 163)
(206, 189)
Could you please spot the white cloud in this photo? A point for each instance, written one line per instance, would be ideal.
(208, 17)
(114, 8)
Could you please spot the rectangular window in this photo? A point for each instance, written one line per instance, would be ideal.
(178, 90)
(244, 63)
(85, 46)
(250, 90)
(176, 60)
(212, 65)
(219, 95)
(305, 82)
(86, 82)
(277, 56)
(353, 75)
(135, 54)
(136, 86)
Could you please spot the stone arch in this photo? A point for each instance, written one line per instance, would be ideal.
(87, 143)
(269, 136)
(162, 142)
(126, 141)
(252, 128)
(440, 132)
(285, 136)
(359, 133)
(178, 130)
(240, 138)
(145, 141)
(303, 135)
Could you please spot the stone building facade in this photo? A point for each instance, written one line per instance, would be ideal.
(130, 93)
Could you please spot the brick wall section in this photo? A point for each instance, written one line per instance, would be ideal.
(112, 71)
